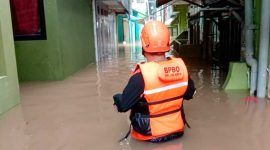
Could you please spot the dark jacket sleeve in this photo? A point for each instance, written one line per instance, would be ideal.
(190, 90)
(131, 94)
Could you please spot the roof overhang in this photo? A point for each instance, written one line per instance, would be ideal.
(179, 2)
(161, 2)
(113, 5)
(203, 3)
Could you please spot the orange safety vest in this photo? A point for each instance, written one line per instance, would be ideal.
(165, 84)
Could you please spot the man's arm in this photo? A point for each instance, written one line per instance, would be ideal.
(131, 94)
(191, 90)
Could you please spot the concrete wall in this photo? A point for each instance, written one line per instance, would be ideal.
(9, 88)
(75, 24)
(69, 46)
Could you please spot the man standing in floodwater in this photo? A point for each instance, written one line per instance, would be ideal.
(156, 90)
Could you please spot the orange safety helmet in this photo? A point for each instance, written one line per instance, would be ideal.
(155, 37)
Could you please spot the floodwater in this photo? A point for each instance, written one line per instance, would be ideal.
(77, 113)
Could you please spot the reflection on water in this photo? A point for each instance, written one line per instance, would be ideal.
(131, 144)
(215, 79)
(77, 113)
(200, 84)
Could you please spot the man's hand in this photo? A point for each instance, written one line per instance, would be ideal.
(115, 108)
(117, 99)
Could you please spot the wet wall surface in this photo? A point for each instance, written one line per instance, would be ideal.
(77, 113)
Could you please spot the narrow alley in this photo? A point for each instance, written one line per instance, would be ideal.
(61, 62)
(78, 113)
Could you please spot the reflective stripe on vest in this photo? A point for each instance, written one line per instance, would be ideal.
(162, 89)
(165, 84)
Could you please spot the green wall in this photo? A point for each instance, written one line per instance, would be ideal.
(41, 60)
(2, 58)
(257, 20)
(120, 28)
(75, 34)
(138, 26)
(182, 18)
(9, 88)
(69, 46)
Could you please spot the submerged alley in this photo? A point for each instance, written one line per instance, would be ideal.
(77, 113)
(58, 74)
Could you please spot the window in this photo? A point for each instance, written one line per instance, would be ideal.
(28, 19)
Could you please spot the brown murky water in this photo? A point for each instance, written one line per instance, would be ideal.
(77, 114)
